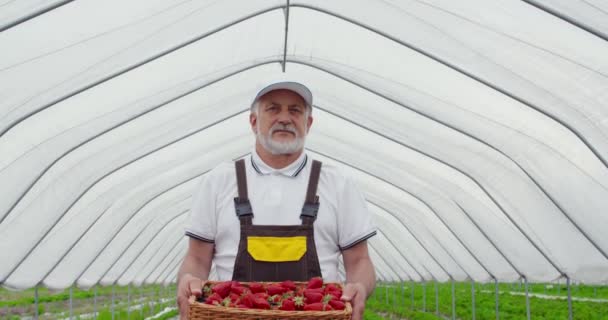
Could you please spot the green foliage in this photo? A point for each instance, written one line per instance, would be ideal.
(511, 306)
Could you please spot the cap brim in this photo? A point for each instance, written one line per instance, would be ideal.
(296, 87)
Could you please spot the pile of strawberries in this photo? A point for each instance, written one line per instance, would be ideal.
(313, 295)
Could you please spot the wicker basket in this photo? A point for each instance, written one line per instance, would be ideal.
(203, 311)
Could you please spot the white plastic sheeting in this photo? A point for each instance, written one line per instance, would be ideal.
(478, 130)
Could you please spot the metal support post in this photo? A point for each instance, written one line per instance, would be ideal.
(112, 306)
(569, 298)
(128, 301)
(412, 295)
(423, 296)
(386, 293)
(36, 315)
(527, 299)
(71, 305)
(453, 301)
(95, 303)
(595, 291)
(436, 299)
(141, 302)
(496, 303)
(473, 297)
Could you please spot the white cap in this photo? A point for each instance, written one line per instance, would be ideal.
(296, 87)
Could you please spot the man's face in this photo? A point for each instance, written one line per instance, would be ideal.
(281, 122)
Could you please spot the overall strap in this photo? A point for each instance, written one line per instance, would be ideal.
(311, 204)
(241, 203)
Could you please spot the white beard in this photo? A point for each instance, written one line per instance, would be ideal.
(279, 147)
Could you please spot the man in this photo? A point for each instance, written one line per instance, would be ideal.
(278, 215)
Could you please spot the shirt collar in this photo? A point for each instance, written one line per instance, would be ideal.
(291, 170)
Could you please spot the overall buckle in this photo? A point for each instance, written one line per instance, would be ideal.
(243, 208)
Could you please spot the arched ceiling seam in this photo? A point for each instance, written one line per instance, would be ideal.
(404, 257)
(126, 248)
(403, 190)
(93, 261)
(135, 66)
(487, 28)
(68, 249)
(286, 12)
(172, 270)
(114, 29)
(441, 244)
(178, 237)
(33, 15)
(478, 139)
(566, 18)
(83, 192)
(355, 22)
(456, 202)
(388, 271)
(414, 196)
(407, 261)
(465, 73)
(176, 253)
(385, 262)
(126, 121)
(85, 233)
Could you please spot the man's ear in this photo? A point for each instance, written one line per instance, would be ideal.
(253, 121)
(309, 123)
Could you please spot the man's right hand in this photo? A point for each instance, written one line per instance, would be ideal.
(188, 286)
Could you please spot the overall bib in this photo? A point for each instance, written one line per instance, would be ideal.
(276, 253)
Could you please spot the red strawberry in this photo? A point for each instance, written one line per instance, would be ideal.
(238, 289)
(222, 288)
(275, 299)
(335, 294)
(314, 283)
(214, 299)
(328, 297)
(288, 284)
(318, 306)
(312, 297)
(256, 287)
(247, 300)
(275, 289)
(288, 305)
(337, 304)
(299, 302)
(261, 295)
(260, 303)
(331, 287)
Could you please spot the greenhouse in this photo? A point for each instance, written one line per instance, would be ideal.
(477, 132)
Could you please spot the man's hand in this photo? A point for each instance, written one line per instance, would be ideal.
(188, 286)
(355, 293)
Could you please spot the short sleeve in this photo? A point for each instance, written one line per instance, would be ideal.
(202, 224)
(355, 223)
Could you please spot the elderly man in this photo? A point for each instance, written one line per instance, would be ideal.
(294, 218)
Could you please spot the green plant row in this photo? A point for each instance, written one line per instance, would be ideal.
(510, 306)
(26, 298)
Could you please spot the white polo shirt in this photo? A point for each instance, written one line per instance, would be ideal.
(277, 197)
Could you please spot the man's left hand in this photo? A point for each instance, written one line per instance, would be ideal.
(355, 293)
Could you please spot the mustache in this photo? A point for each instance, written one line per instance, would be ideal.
(281, 127)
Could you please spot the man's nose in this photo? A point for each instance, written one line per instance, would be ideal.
(284, 118)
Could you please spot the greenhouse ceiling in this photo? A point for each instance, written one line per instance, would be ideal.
(478, 130)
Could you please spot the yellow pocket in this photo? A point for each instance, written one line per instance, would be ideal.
(276, 249)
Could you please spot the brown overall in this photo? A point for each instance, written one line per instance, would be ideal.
(263, 249)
